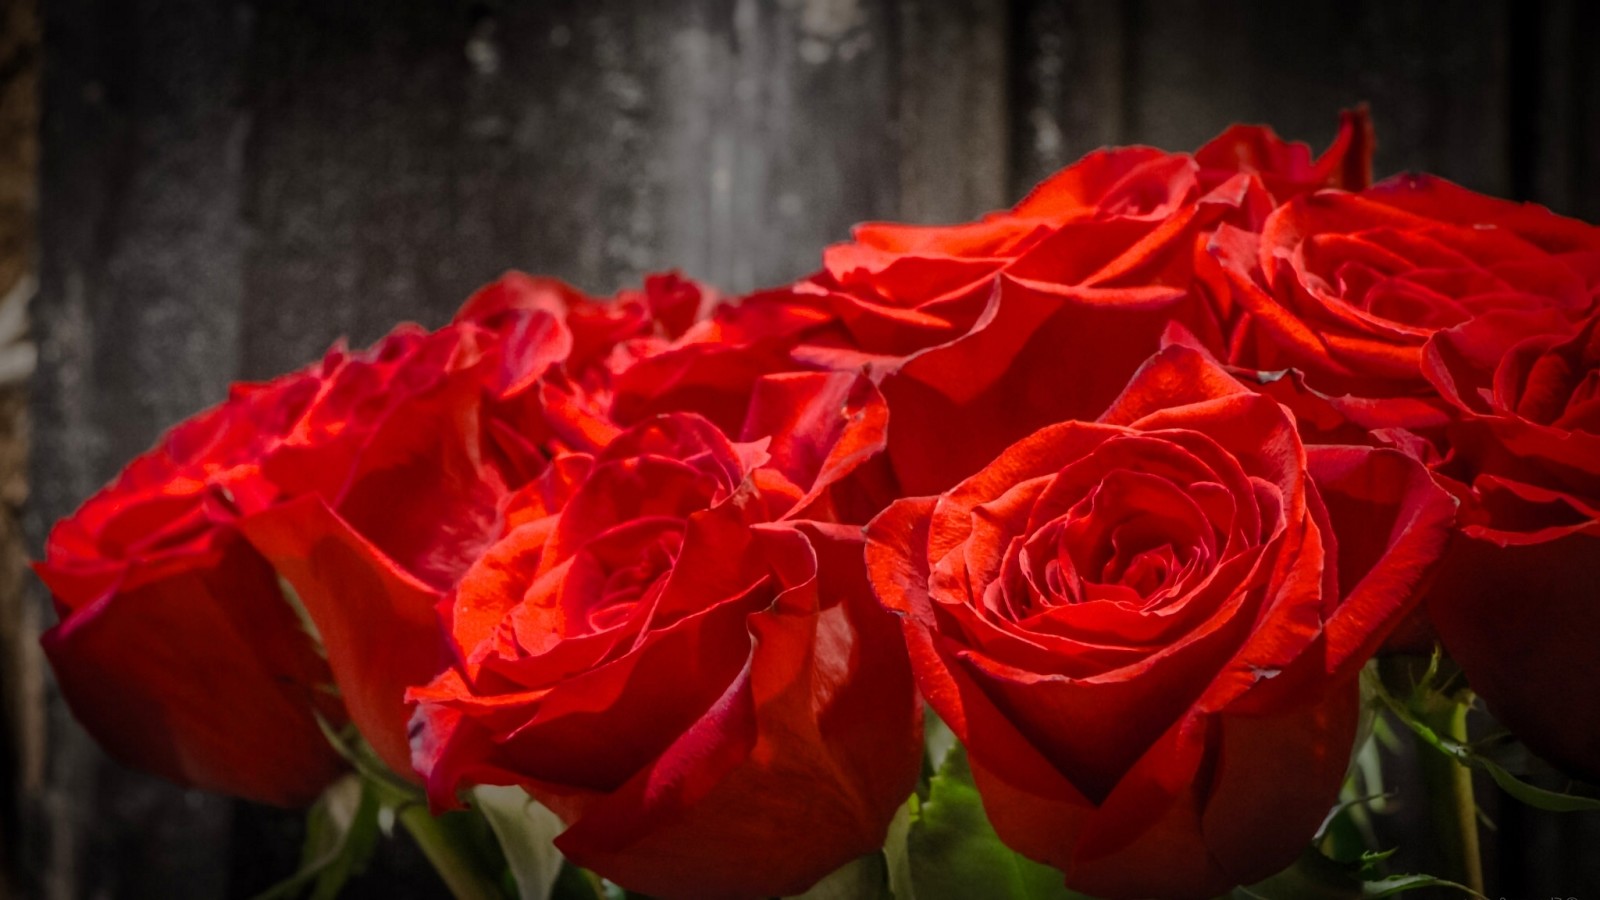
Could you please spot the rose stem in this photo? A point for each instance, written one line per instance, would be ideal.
(452, 854)
(1450, 801)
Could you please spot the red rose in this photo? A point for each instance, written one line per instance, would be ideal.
(1420, 308)
(426, 497)
(1516, 603)
(983, 332)
(1348, 288)
(176, 648)
(369, 559)
(606, 335)
(663, 654)
(1146, 629)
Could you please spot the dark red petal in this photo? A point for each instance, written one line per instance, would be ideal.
(1391, 521)
(803, 761)
(205, 677)
(1043, 354)
(1521, 620)
(1175, 376)
(822, 425)
(1274, 780)
(376, 621)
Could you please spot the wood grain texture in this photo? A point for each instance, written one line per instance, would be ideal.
(392, 173)
(137, 322)
(21, 676)
(1175, 73)
(954, 105)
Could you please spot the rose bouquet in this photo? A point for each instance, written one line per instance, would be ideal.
(1078, 550)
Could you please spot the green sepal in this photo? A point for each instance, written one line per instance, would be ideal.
(526, 832)
(865, 878)
(949, 851)
(341, 833)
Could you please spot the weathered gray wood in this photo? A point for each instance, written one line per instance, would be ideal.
(1174, 74)
(391, 174)
(1069, 71)
(781, 136)
(1559, 131)
(954, 109)
(137, 322)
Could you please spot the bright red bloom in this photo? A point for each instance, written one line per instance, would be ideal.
(982, 332)
(428, 494)
(1146, 629)
(176, 648)
(370, 481)
(664, 654)
(1348, 288)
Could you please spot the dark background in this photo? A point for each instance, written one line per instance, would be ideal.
(225, 187)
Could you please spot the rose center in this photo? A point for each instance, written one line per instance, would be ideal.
(627, 567)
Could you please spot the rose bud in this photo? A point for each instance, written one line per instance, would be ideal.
(1147, 629)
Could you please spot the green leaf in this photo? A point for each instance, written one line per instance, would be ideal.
(954, 854)
(867, 878)
(341, 833)
(1316, 877)
(1399, 884)
(1466, 755)
(526, 831)
(896, 854)
(1533, 795)
(577, 883)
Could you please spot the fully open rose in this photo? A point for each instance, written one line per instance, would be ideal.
(1421, 308)
(1516, 605)
(1146, 629)
(370, 481)
(665, 657)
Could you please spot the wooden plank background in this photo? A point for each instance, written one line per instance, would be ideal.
(228, 186)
